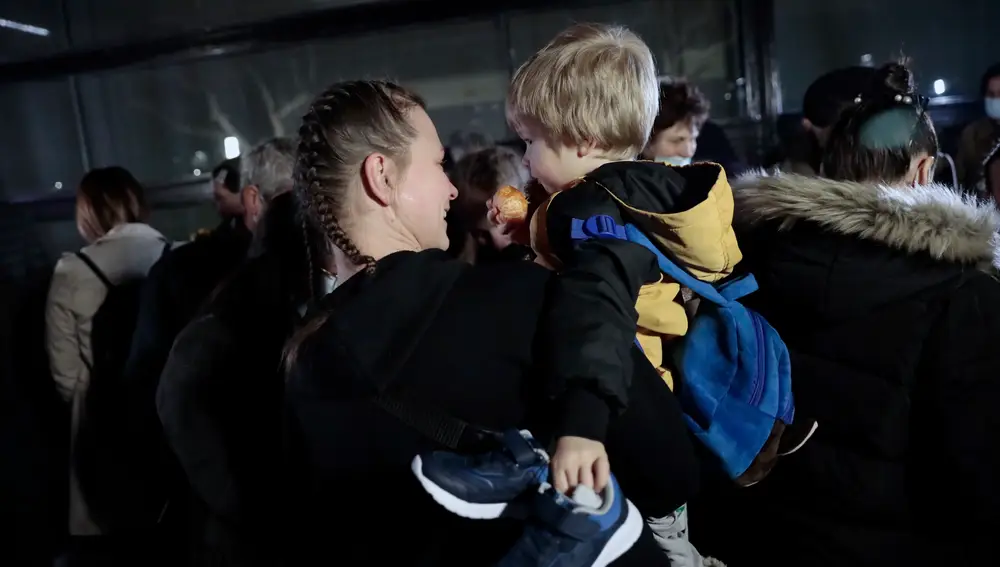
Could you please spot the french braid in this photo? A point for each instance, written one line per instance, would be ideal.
(344, 125)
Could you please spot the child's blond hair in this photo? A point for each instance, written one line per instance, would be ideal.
(592, 83)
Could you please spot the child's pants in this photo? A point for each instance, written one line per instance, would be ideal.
(671, 534)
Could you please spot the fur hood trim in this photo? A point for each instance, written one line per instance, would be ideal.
(929, 218)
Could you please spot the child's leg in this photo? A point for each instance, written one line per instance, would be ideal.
(650, 448)
(671, 534)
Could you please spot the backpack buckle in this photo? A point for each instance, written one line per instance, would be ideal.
(597, 226)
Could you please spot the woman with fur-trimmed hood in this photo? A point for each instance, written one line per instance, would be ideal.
(883, 285)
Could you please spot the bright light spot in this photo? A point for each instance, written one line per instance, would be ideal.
(940, 87)
(197, 172)
(867, 60)
(26, 28)
(232, 145)
(58, 185)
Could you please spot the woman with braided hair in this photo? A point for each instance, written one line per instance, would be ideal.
(456, 341)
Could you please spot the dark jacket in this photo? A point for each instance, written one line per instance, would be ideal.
(176, 289)
(220, 396)
(460, 339)
(220, 403)
(978, 138)
(714, 146)
(889, 303)
(591, 321)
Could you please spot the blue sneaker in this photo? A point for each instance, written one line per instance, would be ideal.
(587, 529)
(482, 486)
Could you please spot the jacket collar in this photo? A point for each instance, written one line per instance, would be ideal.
(931, 218)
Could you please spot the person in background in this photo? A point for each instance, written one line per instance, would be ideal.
(177, 290)
(220, 394)
(226, 194)
(111, 217)
(823, 102)
(464, 142)
(714, 146)
(883, 286)
(477, 176)
(683, 111)
(991, 174)
(181, 281)
(979, 137)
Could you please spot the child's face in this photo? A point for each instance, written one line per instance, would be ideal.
(555, 166)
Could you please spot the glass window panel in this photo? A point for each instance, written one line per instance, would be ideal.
(40, 141)
(943, 41)
(169, 123)
(109, 22)
(692, 39)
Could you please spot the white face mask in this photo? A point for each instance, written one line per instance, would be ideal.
(992, 105)
(676, 161)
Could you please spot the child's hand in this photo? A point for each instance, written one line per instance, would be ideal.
(580, 461)
(503, 232)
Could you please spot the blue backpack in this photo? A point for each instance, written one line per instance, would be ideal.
(734, 369)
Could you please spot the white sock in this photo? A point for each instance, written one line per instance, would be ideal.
(585, 496)
(671, 534)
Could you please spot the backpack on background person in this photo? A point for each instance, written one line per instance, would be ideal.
(109, 465)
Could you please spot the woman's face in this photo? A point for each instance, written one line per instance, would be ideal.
(678, 142)
(424, 193)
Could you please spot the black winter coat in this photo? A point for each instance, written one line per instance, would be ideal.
(460, 340)
(888, 301)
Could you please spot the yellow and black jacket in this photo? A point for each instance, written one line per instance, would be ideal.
(610, 293)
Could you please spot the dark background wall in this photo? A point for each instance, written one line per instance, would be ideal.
(954, 41)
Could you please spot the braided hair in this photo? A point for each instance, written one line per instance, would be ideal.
(877, 138)
(345, 124)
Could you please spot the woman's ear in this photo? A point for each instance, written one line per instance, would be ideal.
(924, 170)
(377, 172)
(252, 206)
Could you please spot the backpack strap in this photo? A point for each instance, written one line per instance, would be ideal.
(444, 429)
(604, 226)
(97, 271)
(678, 274)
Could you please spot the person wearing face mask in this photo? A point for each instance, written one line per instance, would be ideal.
(982, 135)
(683, 111)
(991, 174)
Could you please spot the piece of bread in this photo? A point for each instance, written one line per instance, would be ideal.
(512, 204)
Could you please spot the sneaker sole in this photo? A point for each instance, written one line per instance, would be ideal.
(457, 506)
(623, 539)
(807, 437)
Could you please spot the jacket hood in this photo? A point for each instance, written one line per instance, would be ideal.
(932, 218)
(687, 211)
(841, 249)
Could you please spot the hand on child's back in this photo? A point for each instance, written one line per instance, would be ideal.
(578, 460)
